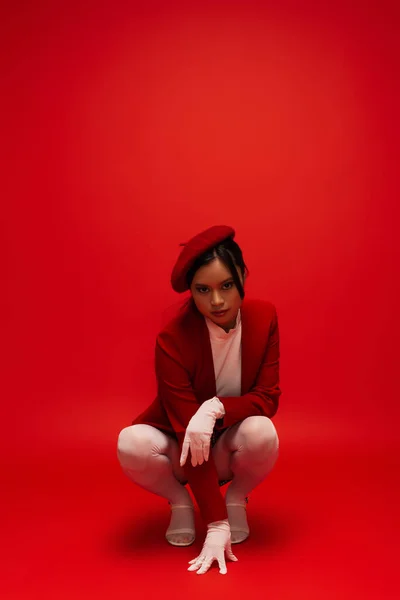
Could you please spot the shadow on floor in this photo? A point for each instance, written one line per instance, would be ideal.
(145, 533)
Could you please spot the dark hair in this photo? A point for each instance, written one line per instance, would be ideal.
(229, 252)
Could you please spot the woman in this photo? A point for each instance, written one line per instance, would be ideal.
(217, 369)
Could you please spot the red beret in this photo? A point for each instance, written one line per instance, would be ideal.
(195, 247)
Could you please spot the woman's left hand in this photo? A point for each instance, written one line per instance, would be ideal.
(217, 542)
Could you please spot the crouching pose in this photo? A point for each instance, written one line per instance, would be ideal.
(217, 369)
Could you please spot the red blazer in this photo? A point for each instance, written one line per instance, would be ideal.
(185, 376)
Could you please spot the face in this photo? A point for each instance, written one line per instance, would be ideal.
(213, 289)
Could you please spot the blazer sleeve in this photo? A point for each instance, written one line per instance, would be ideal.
(263, 397)
(177, 396)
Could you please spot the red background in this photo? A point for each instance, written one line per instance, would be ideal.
(126, 129)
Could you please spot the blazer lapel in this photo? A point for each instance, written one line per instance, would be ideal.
(246, 349)
(204, 379)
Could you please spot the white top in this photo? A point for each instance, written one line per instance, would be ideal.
(227, 357)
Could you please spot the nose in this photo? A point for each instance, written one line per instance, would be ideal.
(216, 300)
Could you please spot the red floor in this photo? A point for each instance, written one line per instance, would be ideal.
(323, 526)
(128, 127)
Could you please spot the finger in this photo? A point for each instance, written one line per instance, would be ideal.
(230, 554)
(196, 562)
(222, 565)
(200, 455)
(196, 565)
(184, 455)
(205, 566)
(196, 455)
(206, 450)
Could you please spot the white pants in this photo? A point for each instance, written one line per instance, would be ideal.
(245, 453)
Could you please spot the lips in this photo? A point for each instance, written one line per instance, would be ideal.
(220, 313)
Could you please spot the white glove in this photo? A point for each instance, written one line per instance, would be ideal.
(199, 431)
(217, 542)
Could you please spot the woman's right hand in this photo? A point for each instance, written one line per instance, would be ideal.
(217, 542)
(199, 431)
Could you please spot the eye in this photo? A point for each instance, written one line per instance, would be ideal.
(203, 290)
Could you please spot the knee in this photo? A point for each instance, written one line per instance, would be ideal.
(124, 441)
(260, 435)
(133, 447)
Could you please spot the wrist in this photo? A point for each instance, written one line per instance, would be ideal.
(224, 524)
(217, 407)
